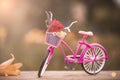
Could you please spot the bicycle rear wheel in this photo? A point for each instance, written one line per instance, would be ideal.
(43, 65)
(94, 67)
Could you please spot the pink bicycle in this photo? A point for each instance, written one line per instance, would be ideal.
(92, 57)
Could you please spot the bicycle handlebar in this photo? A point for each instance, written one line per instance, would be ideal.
(49, 17)
(68, 28)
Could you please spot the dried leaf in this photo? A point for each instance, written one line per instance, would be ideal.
(9, 69)
(8, 62)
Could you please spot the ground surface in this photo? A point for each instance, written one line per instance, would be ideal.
(65, 75)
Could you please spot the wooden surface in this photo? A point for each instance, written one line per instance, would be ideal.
(65, 75)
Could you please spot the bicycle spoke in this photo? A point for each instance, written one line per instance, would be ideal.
(99, 52)
(87, 65)
(88, 54)
(93, 67)
(97, 65)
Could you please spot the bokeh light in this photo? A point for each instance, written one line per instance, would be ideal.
(35, 36)
(3, 32)
(79, 12)
(113, 74)
(7, 6)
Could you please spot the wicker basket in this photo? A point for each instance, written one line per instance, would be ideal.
(52, 40)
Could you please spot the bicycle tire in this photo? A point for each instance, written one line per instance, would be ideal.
(43, 65)
(94, 65)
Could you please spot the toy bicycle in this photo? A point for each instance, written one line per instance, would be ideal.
(92, 57)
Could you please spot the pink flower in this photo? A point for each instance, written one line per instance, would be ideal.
(55, 26)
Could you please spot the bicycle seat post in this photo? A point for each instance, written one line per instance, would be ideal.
(84, 37)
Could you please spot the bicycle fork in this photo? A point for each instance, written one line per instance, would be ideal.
(51, 52)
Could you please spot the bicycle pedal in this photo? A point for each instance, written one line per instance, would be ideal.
(69, 67)
(73, 68)
(66, 67)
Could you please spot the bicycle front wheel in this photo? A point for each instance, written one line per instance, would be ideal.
(43, 65)
(96, 59)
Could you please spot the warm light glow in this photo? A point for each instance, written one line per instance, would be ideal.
(3, 32)
(79, 12)
(117, 2)
(114, 74)
(35, 36)
(6, 5)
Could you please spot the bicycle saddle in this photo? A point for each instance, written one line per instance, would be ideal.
(89, 33)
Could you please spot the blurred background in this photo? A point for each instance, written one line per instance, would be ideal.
(22, 29)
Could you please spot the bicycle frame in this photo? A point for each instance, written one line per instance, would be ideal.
(75, 54)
